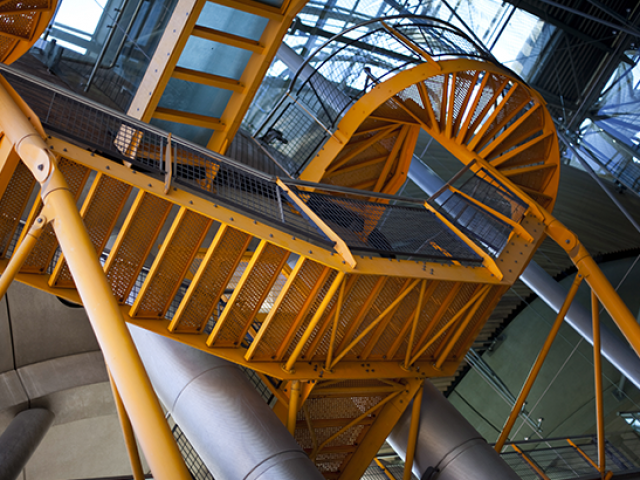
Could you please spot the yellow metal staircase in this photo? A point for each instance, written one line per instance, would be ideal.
(344, 301)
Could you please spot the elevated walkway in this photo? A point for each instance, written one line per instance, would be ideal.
(343, 300)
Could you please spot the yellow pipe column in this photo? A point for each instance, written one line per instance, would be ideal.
(127, 430)
(607, 295)
(597, 370)
(21, 253)
(106, 319)
(294, 400)
(538, 364)
(413, 435)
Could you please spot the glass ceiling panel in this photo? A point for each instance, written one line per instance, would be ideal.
(515, 37)
(213, 57)
(232, 21)
(194, 98)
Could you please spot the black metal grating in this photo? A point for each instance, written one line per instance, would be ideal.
(485, 188)
(389, 229)
(195, 465)
(488, 231)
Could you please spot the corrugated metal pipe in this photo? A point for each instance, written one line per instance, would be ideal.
(449, 448)
(228, 423)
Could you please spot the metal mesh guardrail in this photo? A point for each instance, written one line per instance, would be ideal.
(376, 228)
(390, 230)
(126, 140)
(349, 65)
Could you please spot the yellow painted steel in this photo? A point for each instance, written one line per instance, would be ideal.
(294, 402)
(353, 422)
(384, 469)
(413, 435)
(341, 246)
(531, 463)
(526, 388)
(597, 370)
(22, 252)
(127, 430)
(163, 66)
(605, 292)
(584, 455)
(111, 332)
(288, 367)
(330, 320)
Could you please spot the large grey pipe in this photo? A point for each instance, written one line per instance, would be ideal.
(448, 444)
(553, 294)
(20, 440)
(233, 430)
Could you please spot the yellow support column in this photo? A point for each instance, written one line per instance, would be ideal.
(294, 400)
(607, 295)
(127, 431)
(526, 388)
(102, 309)
(413, 435)
(597, 370)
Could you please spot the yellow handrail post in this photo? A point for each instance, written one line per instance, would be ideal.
(531, 463)
(127, 430)
(102, 309)
(526, 388)
(597, 370)
(384, 469)
(413, 435)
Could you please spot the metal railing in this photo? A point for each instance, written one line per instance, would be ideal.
(544, 459)
(346, 67)
(374, 226)
(567, 458)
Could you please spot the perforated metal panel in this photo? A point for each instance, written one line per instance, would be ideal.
(171, 264)
(535, 153)
(237, 316)
(391, 291)
(494, 86)
(517, 104)
(38, 261)
(136, 238)
(290, 312)
(206, 294)
(530, 128)
(100, 213)
(459, 301)
(402, 316)
(13, 202)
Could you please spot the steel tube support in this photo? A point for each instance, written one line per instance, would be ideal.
(20, 440)
(294, 400)
(21, 253)
(117, 346)
(597, 370)
(447, 443)
(127, 431)
(413, 435)
(102, 309)
(553, 294)
(526, 388)
(610, 299)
